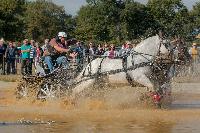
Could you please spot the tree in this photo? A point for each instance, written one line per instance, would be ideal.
(11, 20)
(114, 20)
(45, 19)
(137, 21)
(91, 23)
(171, 14)
(195, 13)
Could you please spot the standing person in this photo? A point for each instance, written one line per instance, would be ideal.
(91, 49)
(79, 55)
(100, 50)
(112, 53)
(90, 52)
(106, 47)
(2, 53)
(11, 53)
(32, 56)
(126, 49)
(38, 53)
(25, 51)
(194, 52)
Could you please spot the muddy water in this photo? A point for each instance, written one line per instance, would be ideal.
(115, 113)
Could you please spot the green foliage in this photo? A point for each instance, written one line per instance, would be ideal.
(98, 21)
(11, 21)
(44, 19)
(91, 26)
(33, 19)
(114, 20)
(137, 21)
(171, 14)
(195, 13)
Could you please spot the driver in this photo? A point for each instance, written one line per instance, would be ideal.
(56, 49)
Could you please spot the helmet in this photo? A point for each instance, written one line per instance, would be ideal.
(62, 34)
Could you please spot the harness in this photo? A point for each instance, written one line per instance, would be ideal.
(124, 69)
(92, 76)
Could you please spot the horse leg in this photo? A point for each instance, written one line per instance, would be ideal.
(141, 78)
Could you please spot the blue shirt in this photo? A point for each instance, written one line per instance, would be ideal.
(25, 55)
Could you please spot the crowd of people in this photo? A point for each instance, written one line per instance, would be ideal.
(60, 51)
(53, 52)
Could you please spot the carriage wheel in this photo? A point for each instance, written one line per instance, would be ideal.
(48, 91)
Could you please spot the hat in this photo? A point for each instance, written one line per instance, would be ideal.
(62, 34)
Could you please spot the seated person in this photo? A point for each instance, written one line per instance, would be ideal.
(54, 50)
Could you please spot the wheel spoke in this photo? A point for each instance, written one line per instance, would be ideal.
(44, 91)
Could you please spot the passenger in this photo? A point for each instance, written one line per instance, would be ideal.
(48, 53)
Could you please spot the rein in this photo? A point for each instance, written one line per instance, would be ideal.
(92, 76)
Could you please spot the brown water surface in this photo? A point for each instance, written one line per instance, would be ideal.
(117, 112)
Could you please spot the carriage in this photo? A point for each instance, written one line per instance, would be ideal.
(147, 65)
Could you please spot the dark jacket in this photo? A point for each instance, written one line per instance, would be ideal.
(11, 52)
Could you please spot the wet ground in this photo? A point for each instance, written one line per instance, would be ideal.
(116, 113)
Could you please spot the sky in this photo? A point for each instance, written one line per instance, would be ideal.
(72, 6)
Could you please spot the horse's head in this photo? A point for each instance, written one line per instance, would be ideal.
(153, 46)
(165, 47)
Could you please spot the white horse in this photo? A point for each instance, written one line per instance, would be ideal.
(146, 51)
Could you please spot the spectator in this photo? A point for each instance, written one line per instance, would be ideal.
(25, 51)
(91, 49)
(106, 47)
(2, 52)
(79, 55)
(112, 53)
(194, 52)
(11, 53)
(32, 55)
(126, 49)
(38, 53)
(100, 50)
